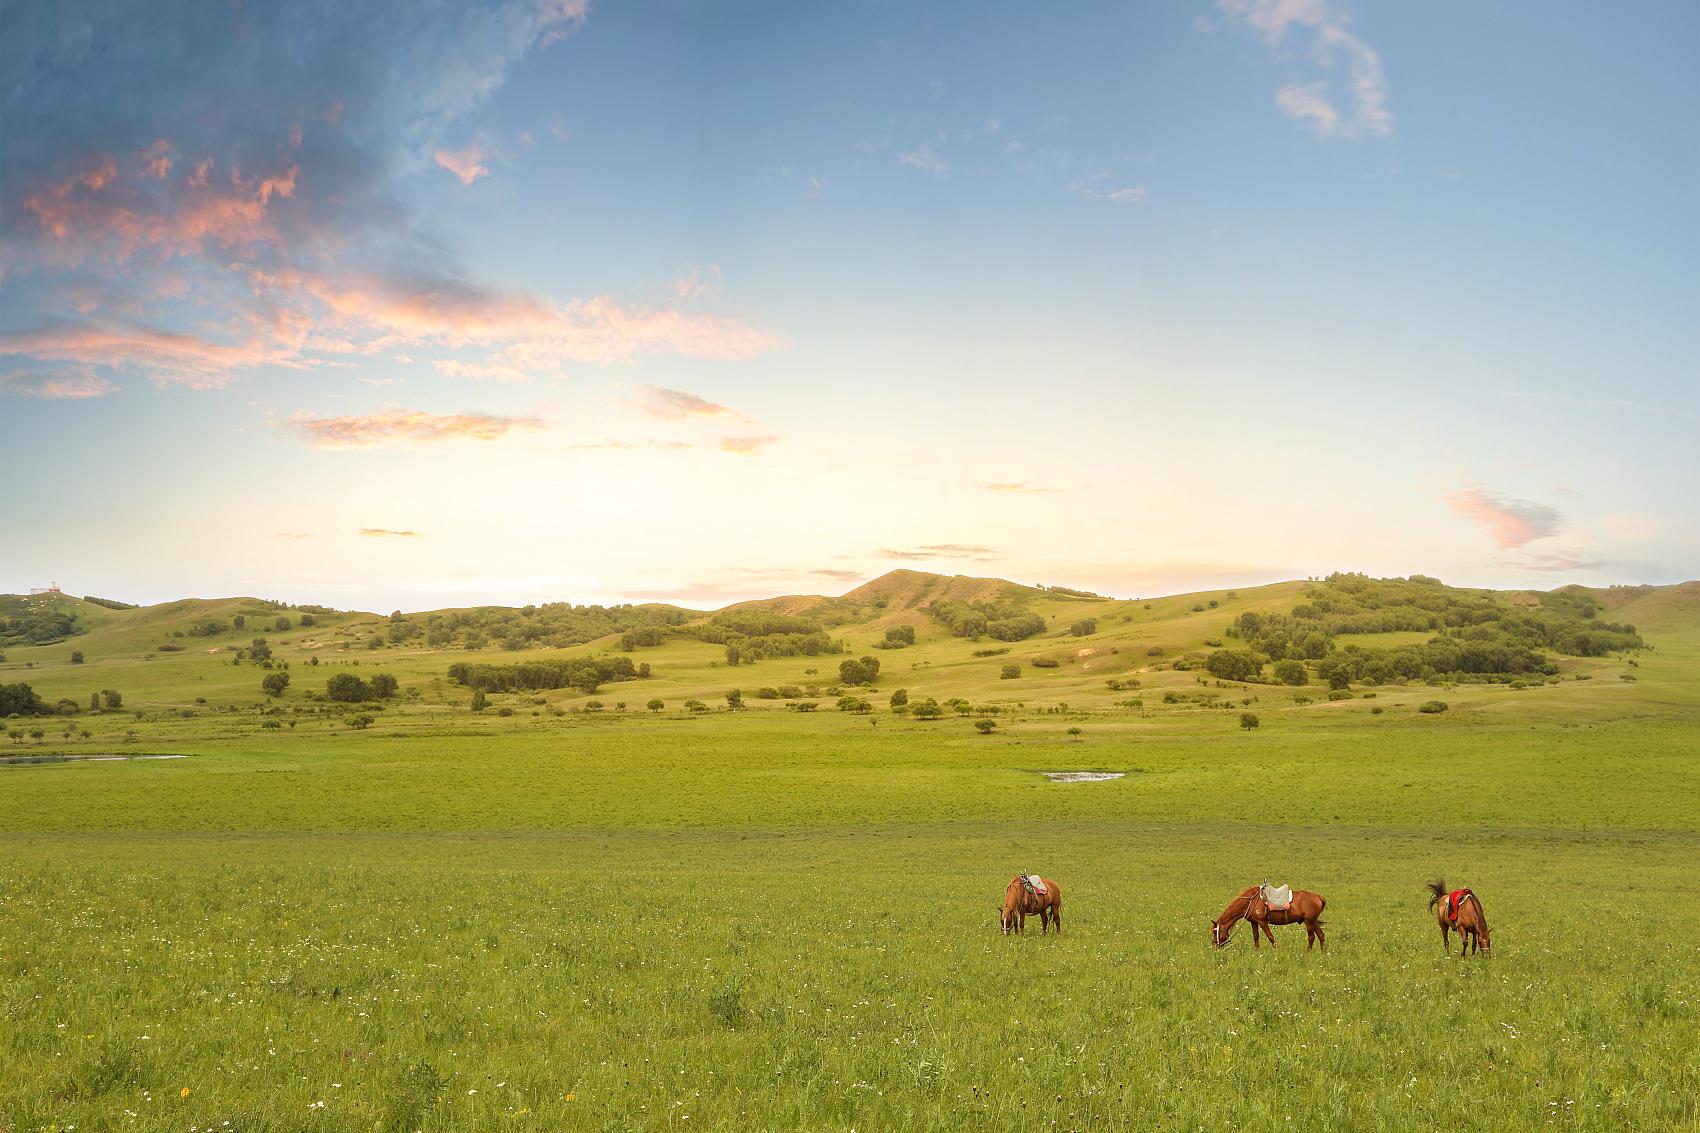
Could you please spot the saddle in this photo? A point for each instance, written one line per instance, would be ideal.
(1034, 884)
(1276, 898)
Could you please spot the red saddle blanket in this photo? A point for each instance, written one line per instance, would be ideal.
(1453, 900)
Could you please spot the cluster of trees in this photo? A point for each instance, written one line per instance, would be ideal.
(553, 624)
(644, 636)
(1477, 634)
(1068, 590)
(752, 634)
(864, 671)
(897, 637)
(587, 674)
(110, 603)
(22, 700)
(1085, 627)
(351, 689)
(1003, 620)
(34, 623)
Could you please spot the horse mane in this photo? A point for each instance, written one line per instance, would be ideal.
(1437, 890)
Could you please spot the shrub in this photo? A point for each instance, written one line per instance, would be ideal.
(985, 727)
(1433, 707)
(1249, 720)
(348, 688)
(1234, 664)
(656, 705)
(76, 656)
(1290, 672)
(1339, 694)
(1085, 627)
(1010, 673)
(899, 697)
(1044, 662)
(274, 684)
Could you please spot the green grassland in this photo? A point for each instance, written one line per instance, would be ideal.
(771, 919)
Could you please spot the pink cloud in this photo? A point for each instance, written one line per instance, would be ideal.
(387, 533)
(467, 164)
(677, 405)
(408, 426)
(157, 158)
(1510, 523)
(1331, 39)
(172, 358)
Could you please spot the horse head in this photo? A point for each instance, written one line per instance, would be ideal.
(1219, 932)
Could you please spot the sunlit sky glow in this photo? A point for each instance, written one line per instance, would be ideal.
(432, 303)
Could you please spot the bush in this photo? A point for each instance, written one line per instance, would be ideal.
(985, 727)
(348, 688)
(1085, 627)
(274, 684)
(1290, 672)
(899, 697)
(1249, 720)
(76, 656)
(656, 705)
(1433, 707)
(1044, 662)
(1009, 673)
(1234, 664)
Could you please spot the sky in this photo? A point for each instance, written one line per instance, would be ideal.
(429, 303)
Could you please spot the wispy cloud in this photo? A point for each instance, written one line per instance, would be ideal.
(1100, 187)
(408, 426)
(926, 158)
(746, 446)
(677, 405)
(931, 551)
(1510, 523)
(466, 164)
(1020, 486)
(1556, 562)
(387, 533)
(76, 384)
(290, 535)
(1329, 42)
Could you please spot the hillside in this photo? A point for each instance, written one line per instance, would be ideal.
(977, 645)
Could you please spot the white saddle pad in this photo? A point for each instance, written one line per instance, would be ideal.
(1037, 882)
(1277, 898)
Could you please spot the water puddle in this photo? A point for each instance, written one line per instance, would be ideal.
(1081, 776)
(37, 760)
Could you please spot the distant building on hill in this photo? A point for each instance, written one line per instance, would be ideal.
(50, 588)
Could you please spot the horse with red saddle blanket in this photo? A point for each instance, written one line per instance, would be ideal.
(1460, 911)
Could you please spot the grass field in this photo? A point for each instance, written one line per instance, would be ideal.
(774, 920)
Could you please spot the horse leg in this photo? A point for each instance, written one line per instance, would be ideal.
(1445, 939)
(1044, 919)
(1056, 917)
(1268, 934)
(1310, 935)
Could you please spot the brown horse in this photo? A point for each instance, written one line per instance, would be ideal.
(1464, 915)
(1019, 903)
(1306, 907)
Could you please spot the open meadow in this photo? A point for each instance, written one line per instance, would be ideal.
(545, 915)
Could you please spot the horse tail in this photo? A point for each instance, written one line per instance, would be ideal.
(1437, 890)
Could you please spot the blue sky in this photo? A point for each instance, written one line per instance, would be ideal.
(430, 303)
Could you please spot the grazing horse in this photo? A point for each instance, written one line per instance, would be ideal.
(1460, 910)
(1306, 907)
(1020, 902)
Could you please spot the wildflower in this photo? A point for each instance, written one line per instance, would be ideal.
(185, 1092)
(572, 1097)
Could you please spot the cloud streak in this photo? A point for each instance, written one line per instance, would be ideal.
(466, 164)
(677, 405)
(932, 551)
(1510, 523)
(387, 533)
(408, 426)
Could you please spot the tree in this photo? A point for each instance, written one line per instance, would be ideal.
(275, 683)
(348, 688)
(383, 686)
(927, 710)
(643, 670)
(1432, 707)
(479, 701)
(864, 671)
(899, 697)
(735, 699)
(1085, 627)
(239, 621)
(76, 656)
(281, 625)
(94, 702)
(360, 721)
(985, 727)
(899, 636)
(1290, 672)
(20, 699)
(1234, 664)
(734, 655)
(1249, 720)
(656, 705)
(594, 706)
(259, 650)
(308, 620)
(1009, 673)
(112, 697)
